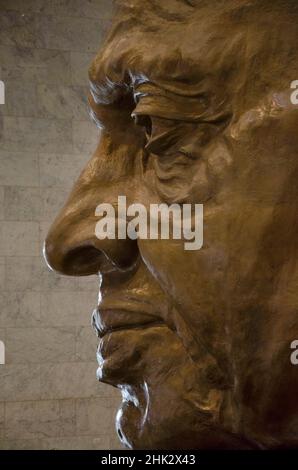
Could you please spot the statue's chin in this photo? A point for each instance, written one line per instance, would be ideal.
(134, 433)
(128, 425)
(168, 401)
(151, 425)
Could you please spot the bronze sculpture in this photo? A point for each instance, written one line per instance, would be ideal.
(194, 102)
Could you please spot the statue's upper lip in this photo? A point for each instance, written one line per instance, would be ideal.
(107, 318)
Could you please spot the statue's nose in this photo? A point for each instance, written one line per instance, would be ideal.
(72, 246)
(71, 257)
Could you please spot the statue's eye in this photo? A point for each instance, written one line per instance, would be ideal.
(172, 137)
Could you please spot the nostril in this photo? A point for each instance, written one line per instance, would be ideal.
(78, 261)
(83, 255)
(82, 261)
(87, 260)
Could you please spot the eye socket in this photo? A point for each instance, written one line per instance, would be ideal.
(165, 136)
(168, 137)
(145, 122)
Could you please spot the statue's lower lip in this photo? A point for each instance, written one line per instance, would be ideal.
(114, 357)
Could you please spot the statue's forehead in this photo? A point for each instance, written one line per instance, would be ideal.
(205, 46)
(179, 53)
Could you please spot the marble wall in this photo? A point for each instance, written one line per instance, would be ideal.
(49, 397)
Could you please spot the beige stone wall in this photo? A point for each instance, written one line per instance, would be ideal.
(49, 397)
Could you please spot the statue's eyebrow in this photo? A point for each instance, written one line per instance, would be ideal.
(109, 100)
(106, 92)
(106, 87)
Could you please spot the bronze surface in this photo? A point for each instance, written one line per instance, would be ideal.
(193, 99)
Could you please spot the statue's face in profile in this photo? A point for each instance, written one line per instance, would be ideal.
(194, 103)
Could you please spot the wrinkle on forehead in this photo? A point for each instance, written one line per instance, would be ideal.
(165, 41)
(127, 61)
(212, 50)
(177, 58)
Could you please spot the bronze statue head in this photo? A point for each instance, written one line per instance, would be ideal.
(193, 99)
